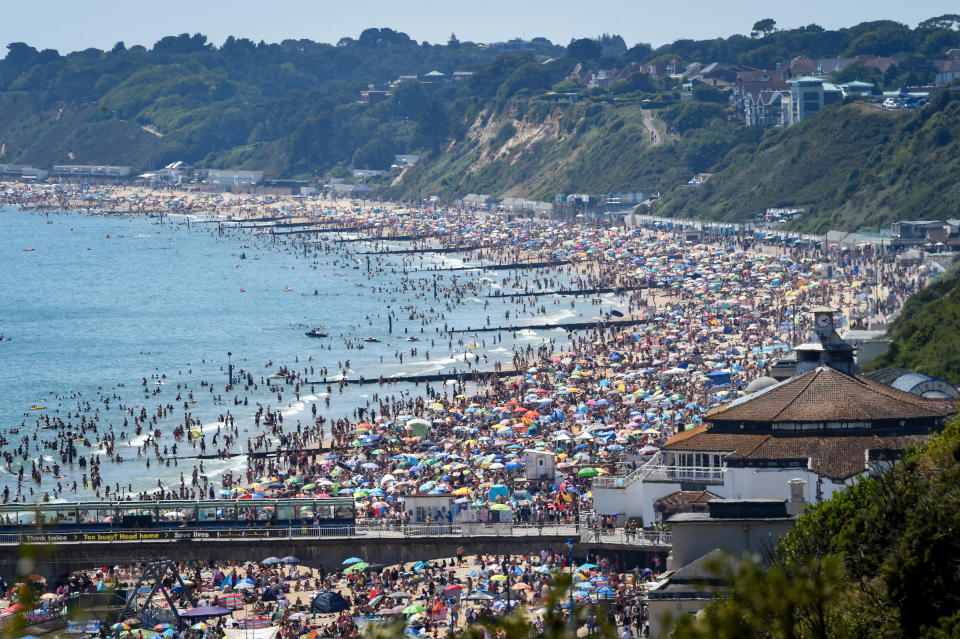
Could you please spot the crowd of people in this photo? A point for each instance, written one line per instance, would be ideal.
(601, 399)
(683, 324)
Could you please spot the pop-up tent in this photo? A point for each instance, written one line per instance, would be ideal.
(327, 601)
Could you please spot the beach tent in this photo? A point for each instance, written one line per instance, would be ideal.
(719, 378)
(327, 601)
(270, 593)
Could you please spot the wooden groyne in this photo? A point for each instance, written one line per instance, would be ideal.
(442, 249)
(619, 290)
(497, 267)
(459, 376)
(567, 326)
(385, 238)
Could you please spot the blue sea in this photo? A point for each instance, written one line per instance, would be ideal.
(102, 302)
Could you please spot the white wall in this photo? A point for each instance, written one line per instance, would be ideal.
(772, 483)
(636, 500)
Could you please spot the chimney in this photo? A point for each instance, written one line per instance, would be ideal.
(796, 502)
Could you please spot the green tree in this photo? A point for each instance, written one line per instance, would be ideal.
(858, 71)
(432, 126)
(706, 93)
(309, 143)
(884, 41)
(409, 99)
(763, 28)
(584, 49)
(804, 601)
(763, 57)
(692, 115)
(913, 70)
(949, 21)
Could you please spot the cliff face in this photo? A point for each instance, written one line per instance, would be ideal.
(590, 148)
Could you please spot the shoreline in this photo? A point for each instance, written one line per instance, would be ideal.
(587, 264)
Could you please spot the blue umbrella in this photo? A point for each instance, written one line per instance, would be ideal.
(352, 560)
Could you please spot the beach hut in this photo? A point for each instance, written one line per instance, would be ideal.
(539, 464)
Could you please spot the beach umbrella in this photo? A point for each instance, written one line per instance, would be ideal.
(290, 560)
(357, 566)
(413, 609)
(478, 595)
(199, 626)
(351, 560)
(270, 561)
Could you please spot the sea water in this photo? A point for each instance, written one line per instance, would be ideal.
(101, 303)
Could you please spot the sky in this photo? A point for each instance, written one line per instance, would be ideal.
(73, 25)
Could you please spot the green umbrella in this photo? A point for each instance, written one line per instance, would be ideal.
(357, 566)
(413, 608)
(588, 472)
(309, 486)
(499, 507)
(418, 427)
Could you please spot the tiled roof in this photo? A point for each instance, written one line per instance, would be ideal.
(828, 395)
(686, 497)
(702, 438)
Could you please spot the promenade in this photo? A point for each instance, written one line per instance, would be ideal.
(56, 553)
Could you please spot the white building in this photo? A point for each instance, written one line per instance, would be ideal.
(827, 426)
(539, 464)
(808, 95)
(432, 508)
(236, 179)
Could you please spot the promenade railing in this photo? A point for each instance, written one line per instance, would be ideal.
(365, 530)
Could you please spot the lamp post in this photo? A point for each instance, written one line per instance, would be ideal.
(389, 320)
(508, 571)
(229, 370)
(570, 550)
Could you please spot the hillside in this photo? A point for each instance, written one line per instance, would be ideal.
(526, 118)
(851, 166)
(548, 150)
(926, 334)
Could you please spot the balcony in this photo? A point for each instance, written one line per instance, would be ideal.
(692, 474)
(655, 470)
